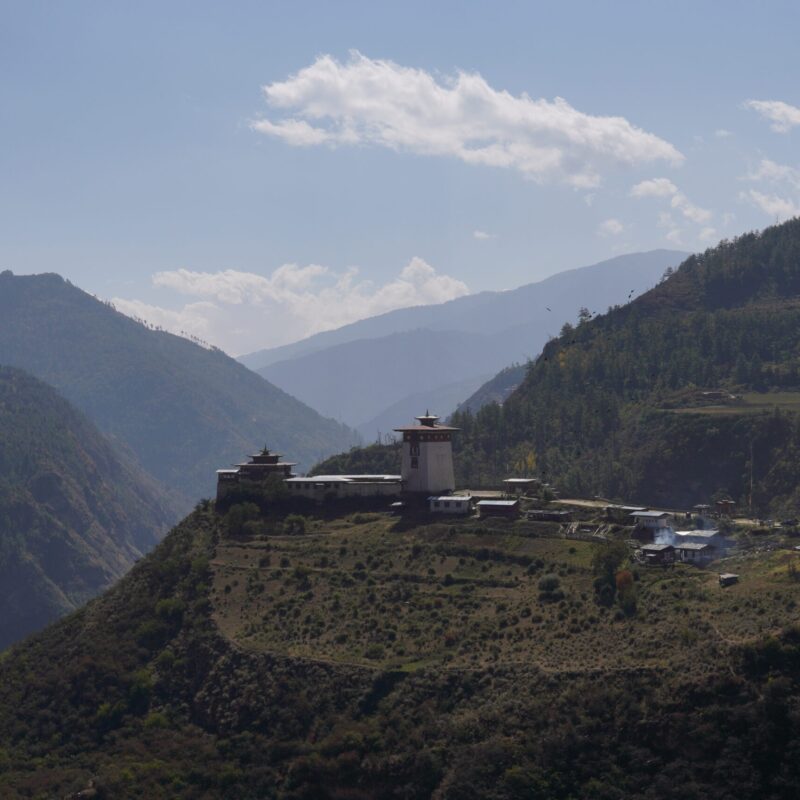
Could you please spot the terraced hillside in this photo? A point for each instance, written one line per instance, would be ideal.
(360, 656)
(370, 590)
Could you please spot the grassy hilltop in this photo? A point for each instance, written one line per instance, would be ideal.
(361, 655)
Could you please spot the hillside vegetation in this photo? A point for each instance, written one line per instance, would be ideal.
(183, 410)
(360, 656)
(75, 512)
(616, 406)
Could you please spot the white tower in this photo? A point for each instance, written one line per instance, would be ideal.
(427, 462)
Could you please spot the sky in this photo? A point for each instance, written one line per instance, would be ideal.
(255, 172)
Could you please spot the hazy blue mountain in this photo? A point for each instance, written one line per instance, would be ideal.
(75, 510)
(183, 410)
(360, 374)
(440, 400)
(597, 287)
(357, 381)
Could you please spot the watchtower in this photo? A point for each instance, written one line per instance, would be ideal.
(427, 457)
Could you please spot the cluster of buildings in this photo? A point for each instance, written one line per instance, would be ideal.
(426, 476)
(669, 544)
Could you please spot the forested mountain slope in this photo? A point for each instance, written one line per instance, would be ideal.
(374, 657)
(618, 405)
(75, 512)
(183, 410)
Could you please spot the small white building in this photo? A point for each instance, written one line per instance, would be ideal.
(450, 504)
(331, 487)
(653, 520)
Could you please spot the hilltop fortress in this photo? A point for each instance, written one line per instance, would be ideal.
(426, 470)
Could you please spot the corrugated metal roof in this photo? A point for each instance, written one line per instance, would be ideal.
(651, 514)
(698, 534)
(347, 479)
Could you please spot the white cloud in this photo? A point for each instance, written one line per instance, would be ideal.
(783, 116)
(610, 227)
(663, 187)
(195, 318)
(772, 172)
(707, 235)
(779, 207)
(378, 102)
(722, 133)
(675, 236)
(483, 235)
(243, 311)
(655, 187)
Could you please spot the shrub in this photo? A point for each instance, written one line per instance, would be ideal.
(374, 652)
(549, 583)
(294, 524)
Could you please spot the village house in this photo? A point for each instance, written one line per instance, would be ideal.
(711, 538)
(498, 508)
(695, 553)
(520, 486)
(725, 508)
(450, 504)
(660, 555)
(653, 520)
(622, 514)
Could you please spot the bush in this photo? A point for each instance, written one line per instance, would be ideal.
(294, 524)
(374, 652)
(549, 583)
(238, 515)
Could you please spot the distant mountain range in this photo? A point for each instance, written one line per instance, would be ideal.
(75, 510)
(182, 409)
(366, 372)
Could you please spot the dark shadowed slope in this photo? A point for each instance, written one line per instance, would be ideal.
(184, 410)
(75, 512)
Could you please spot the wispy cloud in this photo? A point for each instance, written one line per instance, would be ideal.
(774, 206)
(783, 116)
(242, 311)
(771, 172)
(377, 102)
(610, 227)
(776, 176)
(665, 188)
(483, 235)
(722, 133)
